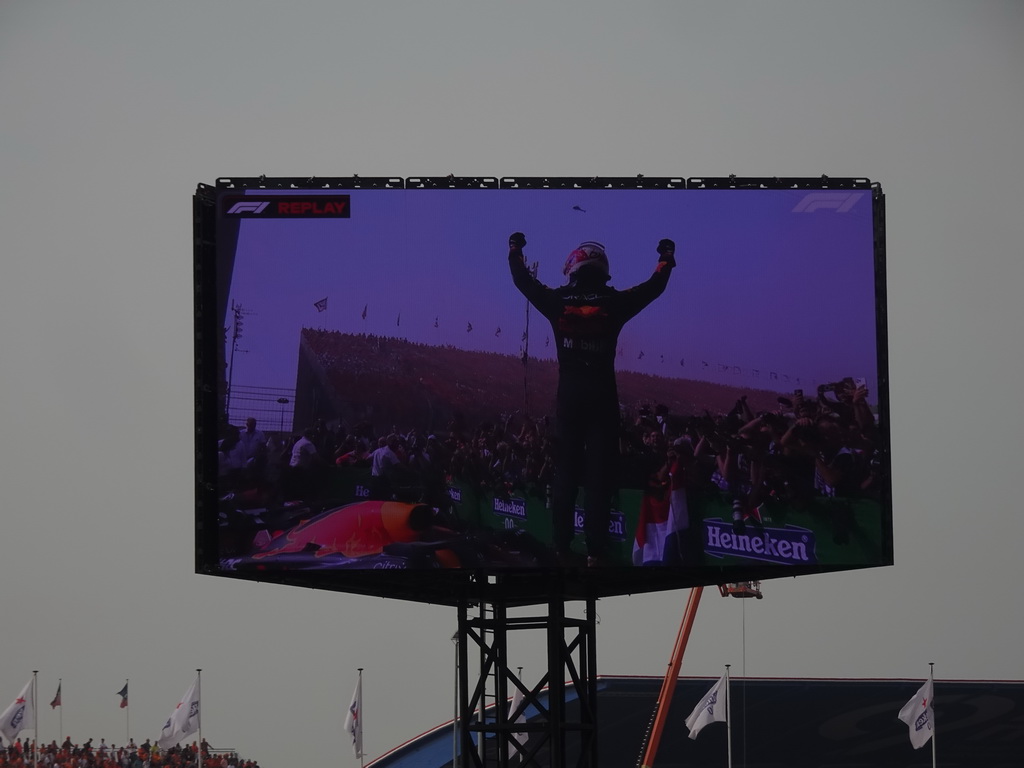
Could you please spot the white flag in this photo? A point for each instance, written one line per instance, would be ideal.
(918, 714)
(354, 719)
(711, 709)
(20, 715)
(519, 737)
(183, 720)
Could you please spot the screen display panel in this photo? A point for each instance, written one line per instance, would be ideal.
(412, 388)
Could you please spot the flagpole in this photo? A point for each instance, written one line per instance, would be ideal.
(362, 752)
(127, 716)
(60, 682)
(728, 716)
(199, 715)
(35, 717)
(455, 718)
(931, 679)
(354, 719)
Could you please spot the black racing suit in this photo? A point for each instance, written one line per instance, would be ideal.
(586, 316)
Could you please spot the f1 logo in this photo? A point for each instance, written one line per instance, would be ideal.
(248, 207)
(840, 202)
(275, 206)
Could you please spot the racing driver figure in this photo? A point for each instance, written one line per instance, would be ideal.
(586, 316)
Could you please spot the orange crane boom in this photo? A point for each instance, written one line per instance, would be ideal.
(668, 685)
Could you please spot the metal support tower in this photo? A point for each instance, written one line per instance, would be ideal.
(564, 733)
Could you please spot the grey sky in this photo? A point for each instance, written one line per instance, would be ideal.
(113, 111)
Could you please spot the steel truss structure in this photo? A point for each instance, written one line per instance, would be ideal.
(563, 733)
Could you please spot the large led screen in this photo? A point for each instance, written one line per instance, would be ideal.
(410, 388)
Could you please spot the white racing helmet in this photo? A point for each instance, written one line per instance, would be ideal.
(588, 255)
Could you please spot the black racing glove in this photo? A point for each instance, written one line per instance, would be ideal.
(667, 252)
(516, 241)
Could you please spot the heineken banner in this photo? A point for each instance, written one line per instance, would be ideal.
(827, 531)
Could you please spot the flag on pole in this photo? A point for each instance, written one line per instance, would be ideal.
(19, 715)
(711, 709)
(662, 518)
(365, 306)
(56, 699)
(354, 719)
(123, 693)
(321, 305)
(183, 720)
(918, 715)
(519, 737)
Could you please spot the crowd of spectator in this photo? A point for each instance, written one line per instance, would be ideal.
(805, 448)
(23, 754)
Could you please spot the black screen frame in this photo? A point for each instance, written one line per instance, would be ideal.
(450, 587)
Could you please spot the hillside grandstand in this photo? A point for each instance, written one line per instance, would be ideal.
(384, 381)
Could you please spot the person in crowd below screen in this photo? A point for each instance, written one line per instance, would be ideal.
(304, 453)
(385, 464)
(427, 467)
(662, 418)
(684, 546)
(323, 438)
(645, 419)
(254, 448)
(230, 461)
(303, 467)
(586, 316)
(655, 443)
(835, 464)
(353, 453)
(69, 755)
